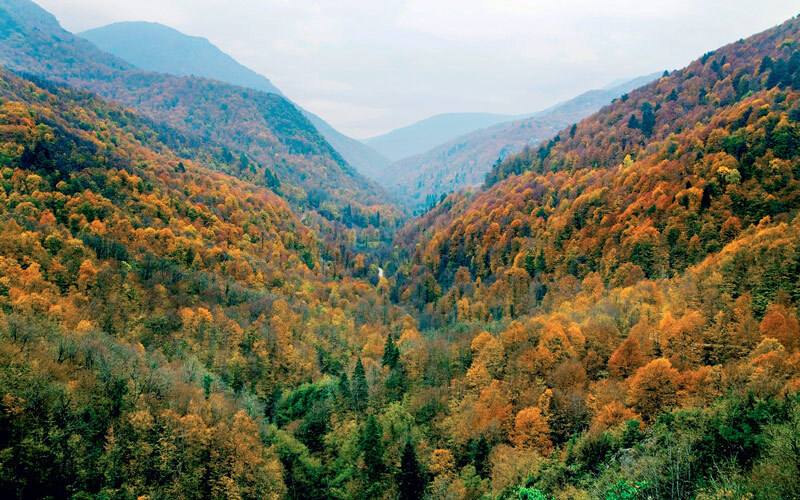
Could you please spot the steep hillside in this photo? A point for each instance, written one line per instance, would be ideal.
(648, 186)
(421, 136)
(627, 296)
(422, 179)
(154, 47)
(142, 294)
(260, 136)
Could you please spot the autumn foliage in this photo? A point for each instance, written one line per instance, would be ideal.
(614, 316)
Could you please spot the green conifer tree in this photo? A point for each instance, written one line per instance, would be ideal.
(360, 388)
(411, 478)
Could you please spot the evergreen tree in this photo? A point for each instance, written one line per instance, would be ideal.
(314, 426)
(271, 180)
(766, 64)
(648, 119)
(360, 389)
(481, 457)
(396, 382)
(541, 263)
(530, 264)
(344, 389)
(411, 479)
(372, 448)
(391, 354)
(244, 162)
(673, 96)
(227, 156)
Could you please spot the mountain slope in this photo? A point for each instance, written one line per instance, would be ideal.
(630, 290)
(425, 134)
(646, 187)
(259, 136)
(465, 161)
(155, 47)
(133, 264)
(154, 341)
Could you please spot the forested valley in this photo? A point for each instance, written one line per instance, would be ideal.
(199, 298)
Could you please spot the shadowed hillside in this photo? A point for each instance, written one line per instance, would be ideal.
(155, 47)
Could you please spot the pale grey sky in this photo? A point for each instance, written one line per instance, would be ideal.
(369, 66)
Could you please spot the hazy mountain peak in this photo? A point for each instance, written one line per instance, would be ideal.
(24, 24)
(27, 13)
(157, 47)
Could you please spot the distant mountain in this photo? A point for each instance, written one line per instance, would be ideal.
(363, 158)
(155, 47)
(426, 134)
(257, 136)
(466, 160)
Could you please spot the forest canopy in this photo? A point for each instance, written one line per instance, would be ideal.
(613, 315)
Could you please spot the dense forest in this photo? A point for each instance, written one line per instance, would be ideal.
(613, 315)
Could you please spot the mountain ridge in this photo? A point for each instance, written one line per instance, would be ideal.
(173, 292)
(143, 43)
(427, 133)
(157, 47)
(274, 142)
(687, 131)
(465, 160)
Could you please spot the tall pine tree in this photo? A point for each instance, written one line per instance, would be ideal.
(360, 389)
(372, 448)
(396, 383)
(391, 354)
(344, 390)
(411, 478)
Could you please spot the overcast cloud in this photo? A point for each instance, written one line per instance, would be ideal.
(368, 66)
